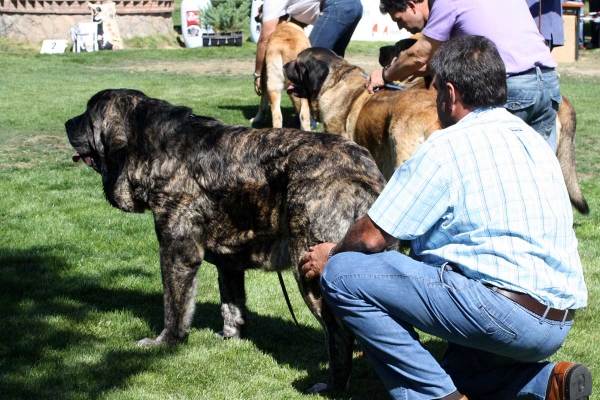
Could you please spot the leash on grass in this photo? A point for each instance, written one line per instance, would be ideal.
(289, 304)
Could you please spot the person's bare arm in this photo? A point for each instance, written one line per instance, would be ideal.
(411, 62)
(364, 236)
(268, 27)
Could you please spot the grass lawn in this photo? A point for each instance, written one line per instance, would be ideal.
(81, 281)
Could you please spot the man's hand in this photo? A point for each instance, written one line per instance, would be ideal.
(257, 87)
(313, 262)
(375, 80)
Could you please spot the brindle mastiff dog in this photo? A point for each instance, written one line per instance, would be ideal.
(392, 123)
(234, 196)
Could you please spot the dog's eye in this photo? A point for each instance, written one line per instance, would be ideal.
(192, 116)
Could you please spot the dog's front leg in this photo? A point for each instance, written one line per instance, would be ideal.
(179, 262)
(233, 302)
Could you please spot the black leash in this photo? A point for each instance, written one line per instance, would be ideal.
(289, 304)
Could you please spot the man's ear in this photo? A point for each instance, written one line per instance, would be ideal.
(453, 94)
(410, 6)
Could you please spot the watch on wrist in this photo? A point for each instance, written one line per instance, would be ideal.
(256, 75)
(383, 71)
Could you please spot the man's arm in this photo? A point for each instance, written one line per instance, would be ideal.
(268, 27)
(410, 62)
(364, 236)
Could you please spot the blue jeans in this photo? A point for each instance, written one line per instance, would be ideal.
(335, 26)
(495, 344)
(535, 98)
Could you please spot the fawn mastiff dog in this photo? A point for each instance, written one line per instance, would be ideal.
(234, 196)
(392, 123)
(389, 123)
(283, 46)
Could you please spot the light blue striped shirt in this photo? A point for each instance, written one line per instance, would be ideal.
(487, 195)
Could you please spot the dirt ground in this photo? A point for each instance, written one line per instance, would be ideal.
(586, 65)
(230, 66)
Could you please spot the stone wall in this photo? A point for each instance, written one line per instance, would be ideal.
(37, 27)
(37, 20)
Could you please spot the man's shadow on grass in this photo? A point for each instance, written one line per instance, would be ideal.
(37, 288)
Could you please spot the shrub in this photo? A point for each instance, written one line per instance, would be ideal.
(226, 17)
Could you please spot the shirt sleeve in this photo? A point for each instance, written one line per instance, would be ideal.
(416, 197)
(273, 9)
(442, 18)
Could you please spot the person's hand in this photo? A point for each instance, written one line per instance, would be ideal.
(375, 80)
(313, 262)
(257, 87)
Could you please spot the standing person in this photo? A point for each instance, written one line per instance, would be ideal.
(533, 87)
(494, 268)
(547, 15)
(334, 23)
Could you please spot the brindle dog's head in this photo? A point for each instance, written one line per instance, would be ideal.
(308, 72)
(119, 131)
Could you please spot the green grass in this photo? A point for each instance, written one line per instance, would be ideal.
(81, 282)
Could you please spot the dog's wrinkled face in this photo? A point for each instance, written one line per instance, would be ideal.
(111, 128)
(308, 72)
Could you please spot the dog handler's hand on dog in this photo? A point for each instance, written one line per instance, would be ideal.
(412, 61)
(375, 80)
(313, 262)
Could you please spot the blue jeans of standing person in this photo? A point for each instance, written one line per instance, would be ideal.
(335, 26)
(534, 97)
(495, 344)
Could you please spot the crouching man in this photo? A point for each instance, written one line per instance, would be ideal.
(494, 268)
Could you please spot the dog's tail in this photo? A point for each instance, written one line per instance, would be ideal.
(565, 152)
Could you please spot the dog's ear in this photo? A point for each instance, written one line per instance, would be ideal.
(404, 44)
(386, 55)
(115, 108)
(115, 137)
(313, 67)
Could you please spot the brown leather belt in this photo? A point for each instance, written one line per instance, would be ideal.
(533, 71)
(528, 302)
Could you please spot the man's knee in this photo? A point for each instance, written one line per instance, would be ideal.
(336, 266)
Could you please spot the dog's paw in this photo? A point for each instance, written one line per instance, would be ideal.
(229, 334)
(317, 388)
(147, 342)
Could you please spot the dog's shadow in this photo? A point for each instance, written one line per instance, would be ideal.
(38, 289)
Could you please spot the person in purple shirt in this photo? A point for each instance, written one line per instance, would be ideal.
(533, 86)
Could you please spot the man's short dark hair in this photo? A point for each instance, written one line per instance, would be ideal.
(386, 5)
(474, 66)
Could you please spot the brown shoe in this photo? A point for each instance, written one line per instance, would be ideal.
(569, 381)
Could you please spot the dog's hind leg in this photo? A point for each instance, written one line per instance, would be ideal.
(261, 115)
(233, 302)
(338, 337)
(275, 100)
(302, 109)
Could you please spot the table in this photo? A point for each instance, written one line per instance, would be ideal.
(574, 7)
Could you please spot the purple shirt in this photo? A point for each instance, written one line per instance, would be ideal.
(507, 23)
